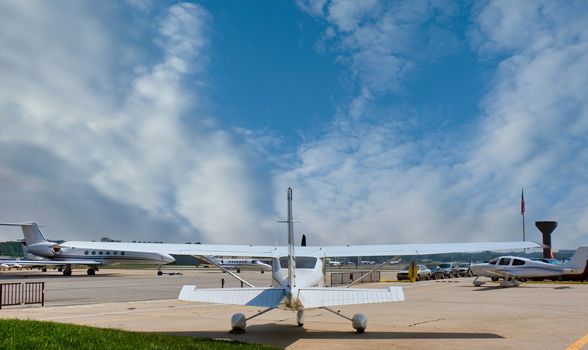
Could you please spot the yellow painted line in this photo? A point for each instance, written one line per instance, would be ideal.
(579, 344)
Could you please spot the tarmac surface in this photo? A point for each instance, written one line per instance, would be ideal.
(445, 314)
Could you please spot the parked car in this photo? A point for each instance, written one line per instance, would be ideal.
(423, 272)
(464, 270)
(449, 270)
(437, 273)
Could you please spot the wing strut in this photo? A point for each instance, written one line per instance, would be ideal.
(211, 261)
(372, 271)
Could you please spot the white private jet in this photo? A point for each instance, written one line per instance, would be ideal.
(42, 253)
(513, 269)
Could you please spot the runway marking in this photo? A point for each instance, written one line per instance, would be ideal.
(579, 344)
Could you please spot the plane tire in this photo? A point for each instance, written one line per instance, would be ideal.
(159, 273)
(44, 269)
(91, 272)
(238, 270)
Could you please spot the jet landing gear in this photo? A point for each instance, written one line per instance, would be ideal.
(358, 321)
(67, 270)
(239, 321)
(92, 271)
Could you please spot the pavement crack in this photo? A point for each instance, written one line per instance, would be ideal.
(430, 321)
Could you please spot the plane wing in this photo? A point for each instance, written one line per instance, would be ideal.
(413, 249)
(318, 251)
(50, 262)
(263, 297)
(321, 297)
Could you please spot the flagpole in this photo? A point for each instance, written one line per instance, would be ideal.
(523, 212)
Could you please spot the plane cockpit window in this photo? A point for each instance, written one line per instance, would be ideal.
(493, 261)
(302, 262)
(518, 262)
(504, 261)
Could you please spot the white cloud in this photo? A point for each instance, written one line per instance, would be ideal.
(125, 119)
(363, 181)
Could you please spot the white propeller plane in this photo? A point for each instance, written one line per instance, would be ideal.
(298, 278)
(513, 269)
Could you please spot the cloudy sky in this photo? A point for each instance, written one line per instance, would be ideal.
(394, 122)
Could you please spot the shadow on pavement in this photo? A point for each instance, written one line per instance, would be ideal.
(285, 335)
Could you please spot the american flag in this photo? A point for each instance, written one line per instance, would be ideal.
(522, 203)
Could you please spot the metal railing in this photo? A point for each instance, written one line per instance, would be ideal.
(22, 293)
(343, 278)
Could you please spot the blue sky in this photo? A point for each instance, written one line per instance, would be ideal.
(394, 122)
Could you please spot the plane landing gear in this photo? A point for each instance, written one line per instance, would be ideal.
(91, 271)
(300, 318)
(358, 321)
(239, 321)
(67, 270)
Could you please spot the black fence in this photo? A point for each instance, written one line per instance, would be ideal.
(343, 278)
(22, 293)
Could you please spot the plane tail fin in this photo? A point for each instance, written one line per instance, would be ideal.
(578, 260)
(31, 232)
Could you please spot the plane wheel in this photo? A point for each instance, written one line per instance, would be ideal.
(67, 272)
(359, 323)
(262, 271)
(159, 273)
(91, 272)
(238, 323)
(44, 269)
(59, 269)
(238, 270)
(494, 279)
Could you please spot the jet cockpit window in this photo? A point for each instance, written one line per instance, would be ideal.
(493, 261)
(504, 261)
(302, 262)
(518, 262)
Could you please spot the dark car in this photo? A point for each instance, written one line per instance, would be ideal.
(449, 270)
(437, 273)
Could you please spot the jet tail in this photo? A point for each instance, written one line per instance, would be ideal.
(31, 232)
(578, 260)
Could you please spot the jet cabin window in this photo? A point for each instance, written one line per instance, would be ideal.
(504, 261)
(518, 262)
(302, 262)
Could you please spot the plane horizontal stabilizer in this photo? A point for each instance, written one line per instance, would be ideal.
(320, 297)
(263, 297)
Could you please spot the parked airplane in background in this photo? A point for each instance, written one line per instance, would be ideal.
(333, 263)
(238, 264)
(40, 252)
(513, 270)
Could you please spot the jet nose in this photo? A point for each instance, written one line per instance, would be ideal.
(166, 258)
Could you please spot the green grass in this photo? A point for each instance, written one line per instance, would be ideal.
(20, 334)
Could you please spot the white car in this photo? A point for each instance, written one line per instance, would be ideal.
(423, 272)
